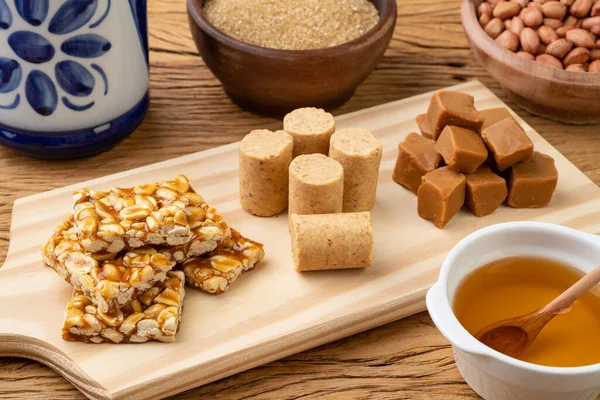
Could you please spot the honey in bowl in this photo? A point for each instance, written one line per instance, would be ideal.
(515, 286)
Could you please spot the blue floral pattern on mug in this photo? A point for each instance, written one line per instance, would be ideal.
(31, 46)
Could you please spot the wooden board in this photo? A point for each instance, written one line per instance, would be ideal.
(269, 313)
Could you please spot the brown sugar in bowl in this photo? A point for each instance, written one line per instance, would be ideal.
(274, 82)
(556, 94)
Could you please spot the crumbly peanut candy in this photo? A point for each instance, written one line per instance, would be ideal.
(359, 153)
(331, 241)
(311, 128)
(264, 160)
(154, 315)
(316, 185)
(110, 281)
(163, 213)
(215, 272)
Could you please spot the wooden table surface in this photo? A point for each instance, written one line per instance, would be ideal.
(407, 359)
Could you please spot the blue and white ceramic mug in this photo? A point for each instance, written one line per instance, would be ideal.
(73, 74)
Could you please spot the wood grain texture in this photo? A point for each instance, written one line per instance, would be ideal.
(406, 359)
(275, 311)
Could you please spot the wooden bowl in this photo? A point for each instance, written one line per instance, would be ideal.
(274, 82)
(560, 95)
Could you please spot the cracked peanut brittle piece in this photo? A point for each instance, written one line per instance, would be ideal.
(154, 315)
(168, 213)
(216, 271)
(110, 281)
(202, 243)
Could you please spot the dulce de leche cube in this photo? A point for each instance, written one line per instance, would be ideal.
(416, 157)
(486, 191)
(453, 108)
(508, 142)
(462, 149)
(441, 196)
(532, 182)
(493, 115)
(424, 126)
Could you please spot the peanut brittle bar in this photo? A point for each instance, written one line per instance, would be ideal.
(110, 281)
(216, 271)
(155, 315)
(213, 233)
(168, 213)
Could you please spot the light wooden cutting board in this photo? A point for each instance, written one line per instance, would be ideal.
(273, 311)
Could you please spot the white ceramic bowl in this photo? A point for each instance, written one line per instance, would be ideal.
(491, 374)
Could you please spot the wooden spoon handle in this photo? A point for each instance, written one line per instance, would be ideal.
(569, 296)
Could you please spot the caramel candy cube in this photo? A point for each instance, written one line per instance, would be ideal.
(453, 108)
(508, 142)
(441, 196)
(493, 115)
(486, 191)
(416, 157)
(532, 182)
(462, 149)
(424, 126)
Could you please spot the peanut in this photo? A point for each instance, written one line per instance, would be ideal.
(576, 68)
(596, 30)
(508, 40)
(550, 61)
(559, 48)
(526, 55)
(532, 17)
(507, 24)
(570, 21)
(580, 8)
(562, 31)
(530, 41)
(536, 6)
(588, 23)
(547, 35)
(485, 8)
(552, 23)
(517, 25)
(553, 9)
(484, 19)
(567, 3)
(594, 54)
(579, 55)
(594, 66)
(494, 28)
(581, 38)
(541, 49)
(596, 9)
(507, 9)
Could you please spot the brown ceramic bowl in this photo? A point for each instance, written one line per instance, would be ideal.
(560, 95)
(274, 82)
